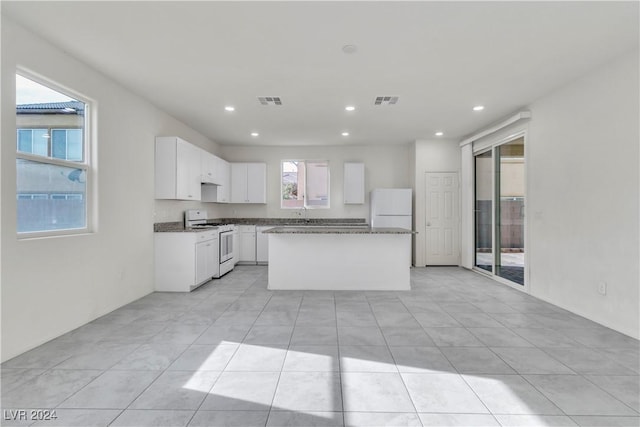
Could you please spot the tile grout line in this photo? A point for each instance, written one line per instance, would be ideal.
(218, 377)
(415, 409)
(183, 352)
(275, 389)
(335, 315)
(461, 376)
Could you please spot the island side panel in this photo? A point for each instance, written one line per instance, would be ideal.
(339, 261)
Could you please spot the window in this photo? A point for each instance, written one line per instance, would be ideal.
(65, 144)
(51, 160)
(305, 184)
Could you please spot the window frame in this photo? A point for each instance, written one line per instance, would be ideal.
(304, 196)
(87, 164)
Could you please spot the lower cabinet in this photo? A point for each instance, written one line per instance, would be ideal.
(262, 245)
(206, 261)
(247, 246)
(184, 260)
(253, 244)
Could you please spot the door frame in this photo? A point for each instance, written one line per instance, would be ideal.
(492, 146)
(458, 222)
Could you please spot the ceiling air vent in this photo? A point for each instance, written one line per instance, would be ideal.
(270, 100)
(386, 100)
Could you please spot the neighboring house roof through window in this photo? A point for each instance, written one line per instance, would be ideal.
(69, 107)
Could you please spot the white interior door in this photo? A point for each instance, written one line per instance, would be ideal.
(442, 224)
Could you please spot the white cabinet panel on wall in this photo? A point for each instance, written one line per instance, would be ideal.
(248, 183)
(177, 169)
(247, 250)
(208, 165)
(219, 193)
(354, 183)
(224, 179)
(183, 261)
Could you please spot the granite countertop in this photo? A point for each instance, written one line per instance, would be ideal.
(178, 226)
(337, 230)
(292, 221)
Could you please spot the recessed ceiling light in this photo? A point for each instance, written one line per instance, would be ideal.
(229, 108)
(345, 133)
(439, 133)
(478, 108)
(349, 108)
(255, 134)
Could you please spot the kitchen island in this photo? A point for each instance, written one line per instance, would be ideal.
(339, 258)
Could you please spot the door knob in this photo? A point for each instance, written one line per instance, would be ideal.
(428, 224)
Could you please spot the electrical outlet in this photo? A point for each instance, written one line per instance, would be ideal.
(602, 288)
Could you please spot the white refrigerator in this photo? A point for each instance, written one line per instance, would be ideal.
(391, 207)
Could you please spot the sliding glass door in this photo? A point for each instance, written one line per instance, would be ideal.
(499, 211)
(509, 263)
(484, 210)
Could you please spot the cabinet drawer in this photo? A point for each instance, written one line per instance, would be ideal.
(247, 228)
(206, 235)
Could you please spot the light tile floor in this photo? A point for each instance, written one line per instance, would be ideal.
(457, 350)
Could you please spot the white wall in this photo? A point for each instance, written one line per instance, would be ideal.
(385, 167)
(582, 195)
(51, 286)
(439, 155)
(582, 168)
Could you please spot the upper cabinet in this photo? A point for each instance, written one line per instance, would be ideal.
(219, 193)
(248, 183)
(208, 163)
(354, 183)
(177, 169)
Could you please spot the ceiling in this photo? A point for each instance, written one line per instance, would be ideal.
(192, 59)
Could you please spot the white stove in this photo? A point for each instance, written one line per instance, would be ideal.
(203, 226)
(197, 219)
(225, 237)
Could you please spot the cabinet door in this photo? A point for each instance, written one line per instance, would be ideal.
(187, 171)
(208, 166)
(256, 182)
(248, 246)
(224, 172)
(239, 183)
(203, 265)
(354, 183)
